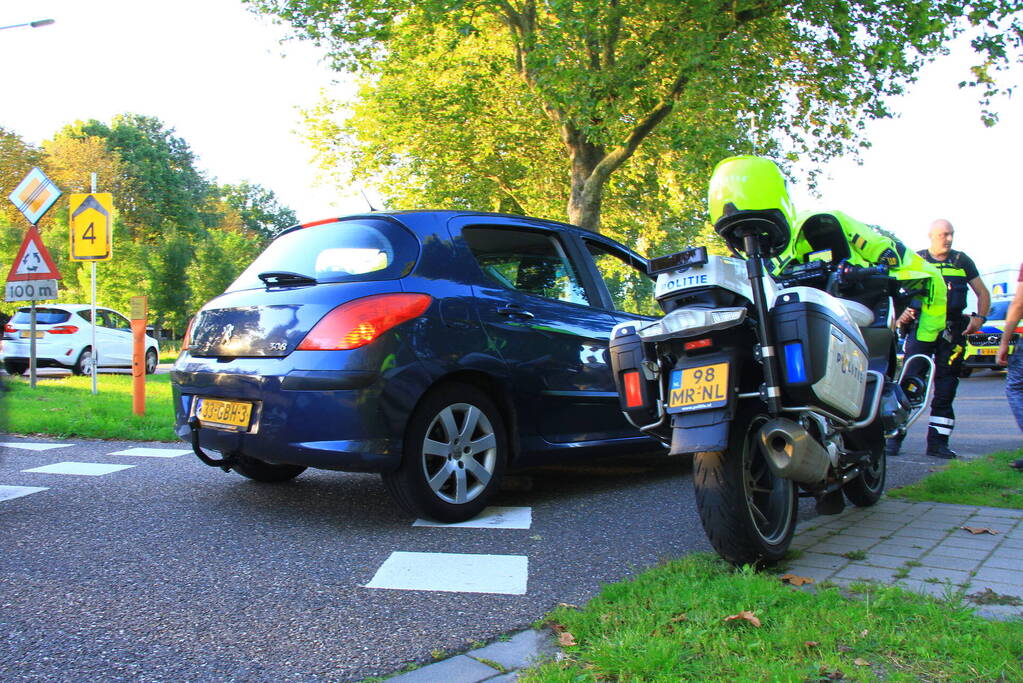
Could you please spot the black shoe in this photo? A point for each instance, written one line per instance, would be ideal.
(941, 451)
(1017, 464)
(892, 447)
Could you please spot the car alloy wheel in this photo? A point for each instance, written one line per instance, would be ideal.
(454, 455)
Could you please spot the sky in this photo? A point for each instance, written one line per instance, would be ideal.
(220, 77)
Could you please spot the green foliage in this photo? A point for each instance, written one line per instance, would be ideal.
(178, 238)
(521, 104)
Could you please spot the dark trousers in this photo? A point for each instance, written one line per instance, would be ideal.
(947, 352)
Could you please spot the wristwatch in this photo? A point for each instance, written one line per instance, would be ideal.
(983, 318)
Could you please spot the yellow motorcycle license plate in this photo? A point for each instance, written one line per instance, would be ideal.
(699, 388)
(988, 351)
(223, 414)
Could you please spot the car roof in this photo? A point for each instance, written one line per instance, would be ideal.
(74, 308)
(423, 220)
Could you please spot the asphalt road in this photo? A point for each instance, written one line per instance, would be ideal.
(173, 571)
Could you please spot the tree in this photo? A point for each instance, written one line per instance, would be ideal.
(169, 191)
(710, 78)
(259, 209)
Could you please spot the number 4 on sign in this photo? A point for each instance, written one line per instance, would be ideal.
(91, 217)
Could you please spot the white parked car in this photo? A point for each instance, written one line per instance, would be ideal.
(64, 340)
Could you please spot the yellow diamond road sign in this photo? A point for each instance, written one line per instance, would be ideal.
(91, 216)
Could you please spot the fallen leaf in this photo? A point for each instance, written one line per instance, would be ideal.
(679, 617)
(556, 627)
(796, 580)
(568, 605)
(566, 639)
(979, 530)
(843, 648)
(863, 633)
(745, 615)
(811, 643)
(835, 675)
(860, 661)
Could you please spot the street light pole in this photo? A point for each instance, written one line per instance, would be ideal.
(31, 24)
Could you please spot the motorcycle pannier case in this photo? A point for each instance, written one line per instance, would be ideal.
(821, 353)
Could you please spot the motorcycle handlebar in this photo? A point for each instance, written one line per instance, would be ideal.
(851, 273)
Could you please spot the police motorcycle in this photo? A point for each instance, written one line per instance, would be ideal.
(781, 386)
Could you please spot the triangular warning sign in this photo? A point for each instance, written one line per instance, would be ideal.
(33, 262)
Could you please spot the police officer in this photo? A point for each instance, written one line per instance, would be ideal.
(959, 272)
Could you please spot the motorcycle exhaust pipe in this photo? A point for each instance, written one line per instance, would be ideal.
(792, 453)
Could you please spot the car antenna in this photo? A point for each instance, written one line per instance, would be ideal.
(369, 203)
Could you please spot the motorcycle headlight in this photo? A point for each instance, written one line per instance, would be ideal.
(691, 322)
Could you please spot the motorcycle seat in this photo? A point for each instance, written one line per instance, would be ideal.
(861, 315)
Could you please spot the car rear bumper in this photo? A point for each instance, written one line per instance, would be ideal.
(327, 419)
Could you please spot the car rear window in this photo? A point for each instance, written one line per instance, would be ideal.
(44, 316)
(343, 251)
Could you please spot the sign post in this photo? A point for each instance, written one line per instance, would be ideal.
(33, 277)
(33, 197)
(91, 241)
(139, 313)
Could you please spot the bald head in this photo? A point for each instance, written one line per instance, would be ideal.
(940, 235)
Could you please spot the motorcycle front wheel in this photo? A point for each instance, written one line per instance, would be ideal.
(748, 513)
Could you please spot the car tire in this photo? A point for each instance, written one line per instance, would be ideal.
(13, 367)
(265, 472)
(454, 455)
(83, 366)
(151, 361)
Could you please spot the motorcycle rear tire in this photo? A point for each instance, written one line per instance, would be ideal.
(748, 513)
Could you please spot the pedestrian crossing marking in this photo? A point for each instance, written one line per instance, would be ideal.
(453, 573)
(88, 469)
(495, 517)
(154, 452)
(12, 492)
(28, 446)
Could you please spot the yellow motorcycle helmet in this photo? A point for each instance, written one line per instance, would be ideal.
(749, 193)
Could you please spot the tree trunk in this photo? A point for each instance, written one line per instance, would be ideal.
(587, 187)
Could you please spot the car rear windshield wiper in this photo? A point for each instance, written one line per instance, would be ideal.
(284, 278)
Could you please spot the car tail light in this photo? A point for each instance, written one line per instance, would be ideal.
(63, 329)
(633, 393)
(359, 322)
(188, 334)
(10, 329)
(698, 344)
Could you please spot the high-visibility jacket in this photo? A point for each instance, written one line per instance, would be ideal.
(868, 247)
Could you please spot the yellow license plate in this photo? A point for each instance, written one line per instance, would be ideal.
(27, 334)
(217, 413)
(988, 351)
(699, 388)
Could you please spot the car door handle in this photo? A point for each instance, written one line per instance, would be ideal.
(514, 311)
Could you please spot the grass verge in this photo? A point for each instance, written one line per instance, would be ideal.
(670, 624)
(984, 481)
(65, 406)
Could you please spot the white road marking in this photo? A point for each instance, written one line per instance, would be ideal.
(12, 492)
(491, 518)
(36, 446)
(453, 573)
(89, 469)
(154, 452)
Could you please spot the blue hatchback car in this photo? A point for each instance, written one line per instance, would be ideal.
(436, 348)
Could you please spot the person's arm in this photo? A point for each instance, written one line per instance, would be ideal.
(1012, 317)
(983, 304)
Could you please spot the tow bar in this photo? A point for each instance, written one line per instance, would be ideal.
(225, 463)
